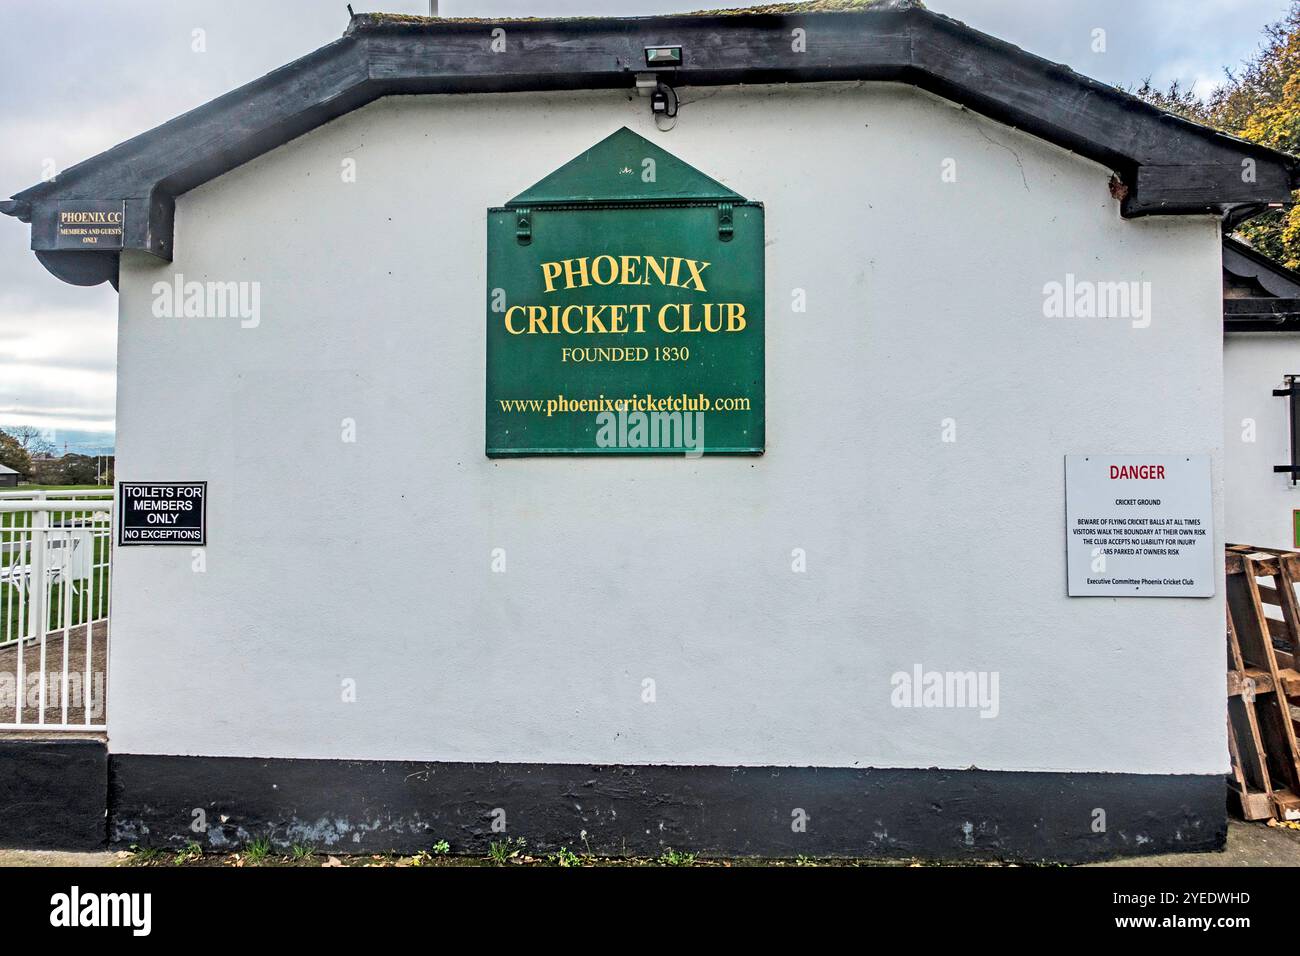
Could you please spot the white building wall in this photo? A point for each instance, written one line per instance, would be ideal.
(1259, 503)
(370, 561)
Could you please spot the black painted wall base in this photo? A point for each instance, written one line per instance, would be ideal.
(52, 794)
(376, 806)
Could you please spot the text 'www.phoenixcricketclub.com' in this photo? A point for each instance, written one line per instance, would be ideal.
(561, 404)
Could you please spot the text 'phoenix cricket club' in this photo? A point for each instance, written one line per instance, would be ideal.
(671, 318)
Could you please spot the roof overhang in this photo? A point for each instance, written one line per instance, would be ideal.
(1244, 263)
(1167, 165)
(1275, 306)
(1261, 315)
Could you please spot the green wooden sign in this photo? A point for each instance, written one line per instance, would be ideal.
(625, 310)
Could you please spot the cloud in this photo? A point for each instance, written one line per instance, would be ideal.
(57, 366)
(1164, 39)
(75, 399)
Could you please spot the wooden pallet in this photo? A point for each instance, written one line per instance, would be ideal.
(1263, 683)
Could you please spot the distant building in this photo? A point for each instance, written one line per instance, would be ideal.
(8, 477)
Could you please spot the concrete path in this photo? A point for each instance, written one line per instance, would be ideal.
(56, 858)
(1249, 844)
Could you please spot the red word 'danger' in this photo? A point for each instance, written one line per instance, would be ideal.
(1137, 471)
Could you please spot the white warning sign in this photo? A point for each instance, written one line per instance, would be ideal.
(1139, 526)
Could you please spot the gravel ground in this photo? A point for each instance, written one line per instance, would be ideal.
(54, 669)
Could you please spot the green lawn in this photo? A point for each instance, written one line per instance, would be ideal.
(12, 604)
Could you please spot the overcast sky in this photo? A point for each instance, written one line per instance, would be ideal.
(79, 76)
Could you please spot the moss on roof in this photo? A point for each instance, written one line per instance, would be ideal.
(816, 6)
(778, 9)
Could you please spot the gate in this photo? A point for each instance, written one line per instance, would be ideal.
(55, 557)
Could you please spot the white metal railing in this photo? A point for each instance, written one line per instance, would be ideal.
(55, 557)
(53, 494)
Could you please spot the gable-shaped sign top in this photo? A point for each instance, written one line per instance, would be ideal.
(625, 167)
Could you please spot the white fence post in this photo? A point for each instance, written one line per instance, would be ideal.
(37, 608)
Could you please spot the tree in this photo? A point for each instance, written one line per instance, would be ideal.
(1261, 103)
(45, 471)
(1264, 107)
(1183, 102)
(77, 470)
(32, 440)
(68, 470)
(14, 455)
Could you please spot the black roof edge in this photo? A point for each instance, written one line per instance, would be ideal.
(1168, 165)
(1261, 315)
(20, 210)
(1247, 262)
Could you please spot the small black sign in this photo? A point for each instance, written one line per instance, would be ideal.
(92, 224)
(163, 512)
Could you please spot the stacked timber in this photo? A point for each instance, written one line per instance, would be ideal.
(1263, 631)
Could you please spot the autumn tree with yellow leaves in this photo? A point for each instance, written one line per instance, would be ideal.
(1260, 103)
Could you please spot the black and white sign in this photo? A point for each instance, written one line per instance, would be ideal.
(1139, 526)
(91, 224)
(170, 512)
